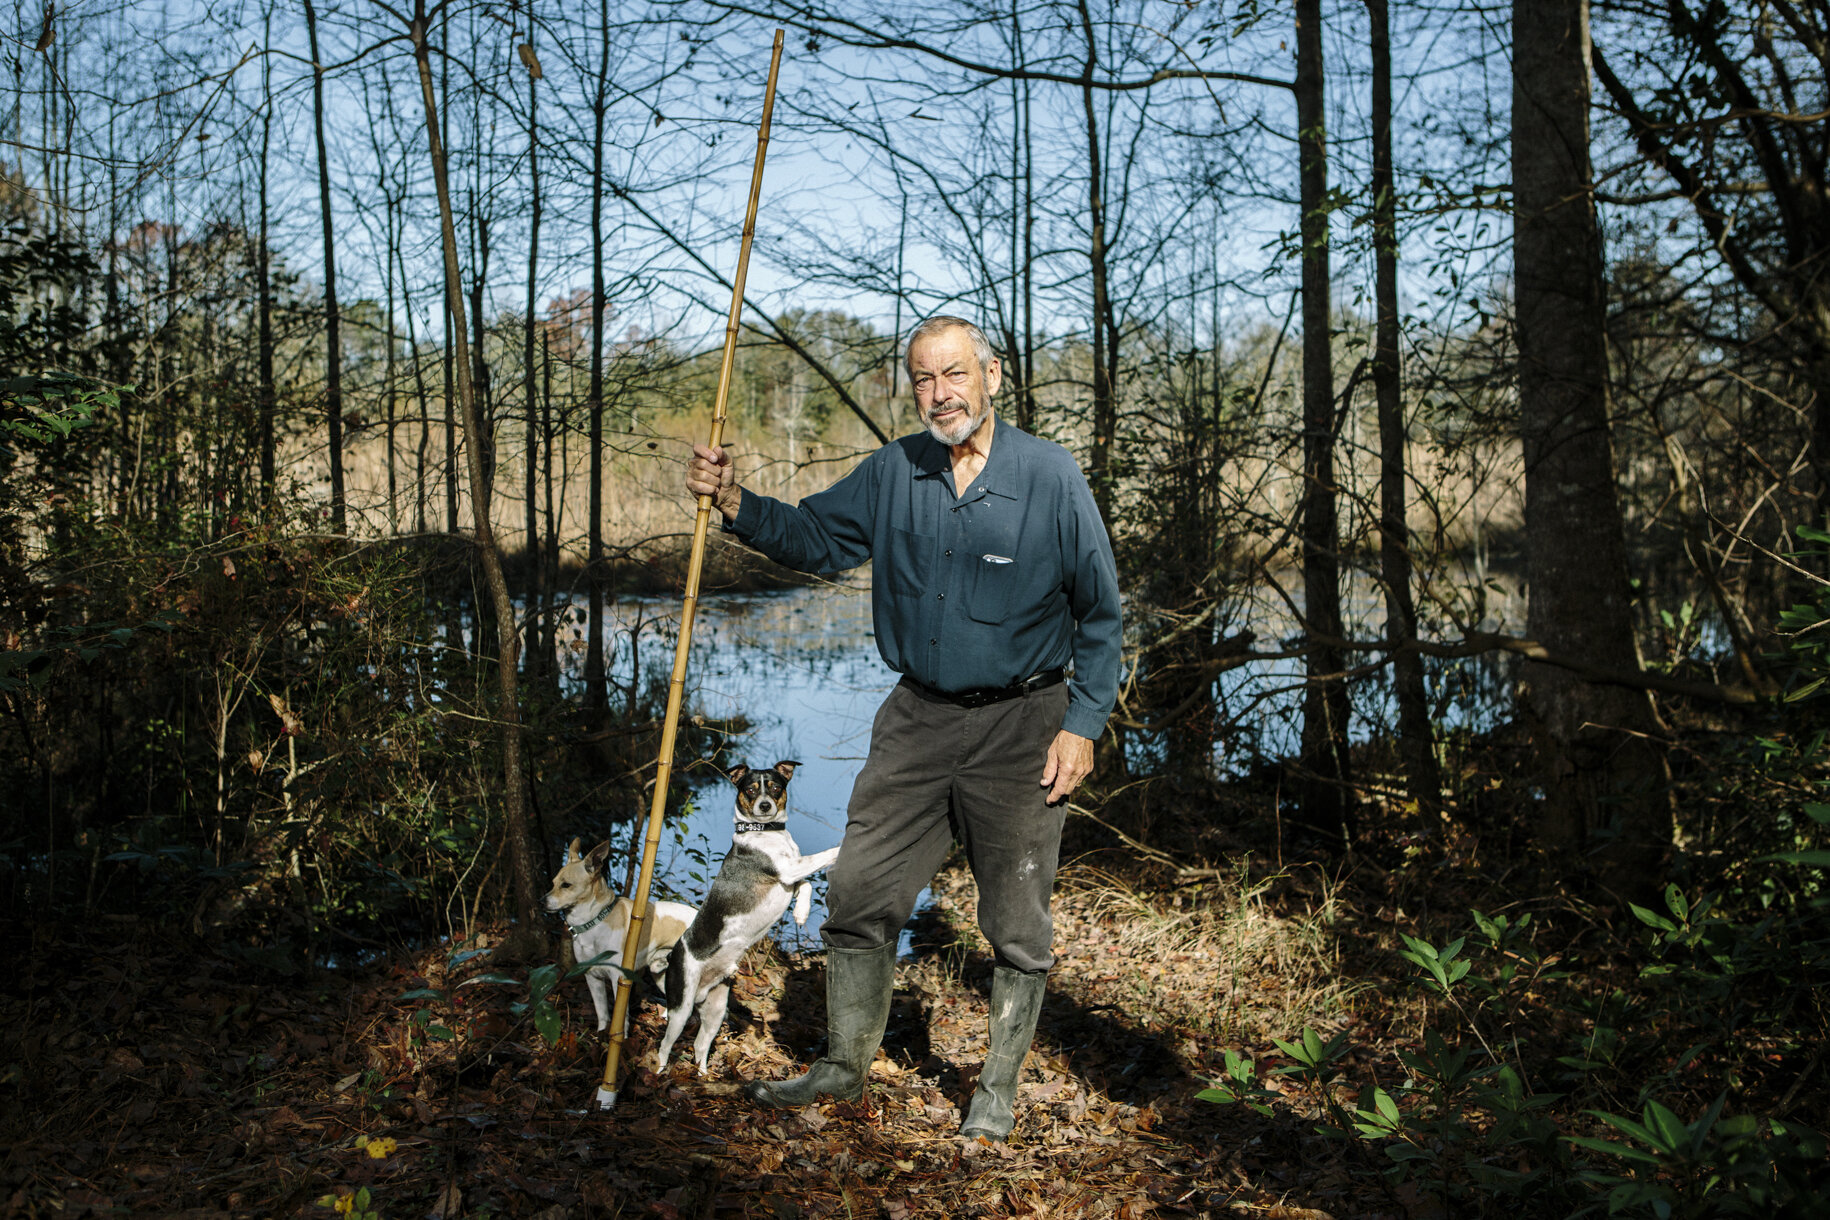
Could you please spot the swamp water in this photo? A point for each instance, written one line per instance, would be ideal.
(800, 667)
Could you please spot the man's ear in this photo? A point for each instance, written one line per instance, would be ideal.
(994, 377)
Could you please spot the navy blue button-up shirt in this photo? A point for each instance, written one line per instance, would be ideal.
(1010, 576)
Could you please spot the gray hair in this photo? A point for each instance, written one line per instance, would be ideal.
(940, 323)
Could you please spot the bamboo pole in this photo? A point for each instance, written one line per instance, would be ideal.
(635, 939)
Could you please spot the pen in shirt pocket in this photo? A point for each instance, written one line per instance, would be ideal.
(999, 559)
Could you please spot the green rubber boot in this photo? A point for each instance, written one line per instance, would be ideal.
(1016, 1000)
(858, 986)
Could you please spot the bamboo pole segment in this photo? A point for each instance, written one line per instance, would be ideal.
(636, 938)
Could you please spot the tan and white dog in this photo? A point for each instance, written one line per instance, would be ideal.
(598, 921)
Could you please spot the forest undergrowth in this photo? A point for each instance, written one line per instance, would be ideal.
(1222, 1036)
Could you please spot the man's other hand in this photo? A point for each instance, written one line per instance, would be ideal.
(711, 474)
(1070, 760)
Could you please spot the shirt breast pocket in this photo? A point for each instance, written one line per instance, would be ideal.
(909, 563)
(994, 588)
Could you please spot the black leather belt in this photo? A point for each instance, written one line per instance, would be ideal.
(986, 695)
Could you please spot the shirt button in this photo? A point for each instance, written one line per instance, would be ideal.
(941, 597)
(949, 554)
(931, 643)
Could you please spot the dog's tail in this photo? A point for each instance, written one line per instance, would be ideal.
(676, 975)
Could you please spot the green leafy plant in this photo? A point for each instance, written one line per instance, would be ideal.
(1712, 1166)
(1465, 1125)
(1239, 1083)
(1443, 965)
(47, 409)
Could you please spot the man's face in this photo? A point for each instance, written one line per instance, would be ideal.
(952, 397)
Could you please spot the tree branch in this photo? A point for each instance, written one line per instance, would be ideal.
(786, 339)
(857, 35)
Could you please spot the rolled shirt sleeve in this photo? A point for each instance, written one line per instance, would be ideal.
(829, 531)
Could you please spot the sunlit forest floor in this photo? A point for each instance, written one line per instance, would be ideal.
(147, 1074)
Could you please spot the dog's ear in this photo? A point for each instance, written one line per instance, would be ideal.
(736, 774)
(571, 852)
(600, 853)
(785, 769)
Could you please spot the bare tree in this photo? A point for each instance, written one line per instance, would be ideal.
(333, 347)
(538, 655)
(265, 392)
(508, 712)
(1416, 749)
(1326, 771)
(1603, 772)
(596, 691)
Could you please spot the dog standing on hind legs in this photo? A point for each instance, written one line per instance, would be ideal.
(599, 922)
(761, 873)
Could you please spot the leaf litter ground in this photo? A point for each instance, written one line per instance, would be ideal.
(147, 1076)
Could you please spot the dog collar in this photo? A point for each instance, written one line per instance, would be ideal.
(587, 925)
(744, 828)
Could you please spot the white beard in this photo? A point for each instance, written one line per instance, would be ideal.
(957, 433)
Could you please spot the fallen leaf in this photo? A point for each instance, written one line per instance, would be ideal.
(450, 1203)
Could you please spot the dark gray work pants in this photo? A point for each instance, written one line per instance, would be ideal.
(937, 770)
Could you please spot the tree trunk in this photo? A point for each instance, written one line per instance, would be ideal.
(450, 383)
(1013, 351)
(1105, 337)
(1109, 755)
(1604, 781)
(265, 396)
(419, 390)
(390, 396)
(1327, 800)
(480, 385)
(549, 638)
(508, 716)
(1416, 747)
(1026, 417)
(536, 568)
(450, 398)
(333, 349)
(596, 691)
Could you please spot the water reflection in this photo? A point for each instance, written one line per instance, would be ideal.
(1260, 703)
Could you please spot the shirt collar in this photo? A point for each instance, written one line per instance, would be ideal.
(1002, 465)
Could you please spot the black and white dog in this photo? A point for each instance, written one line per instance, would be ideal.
(760, 874)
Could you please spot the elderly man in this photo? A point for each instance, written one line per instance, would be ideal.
(995, 596)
